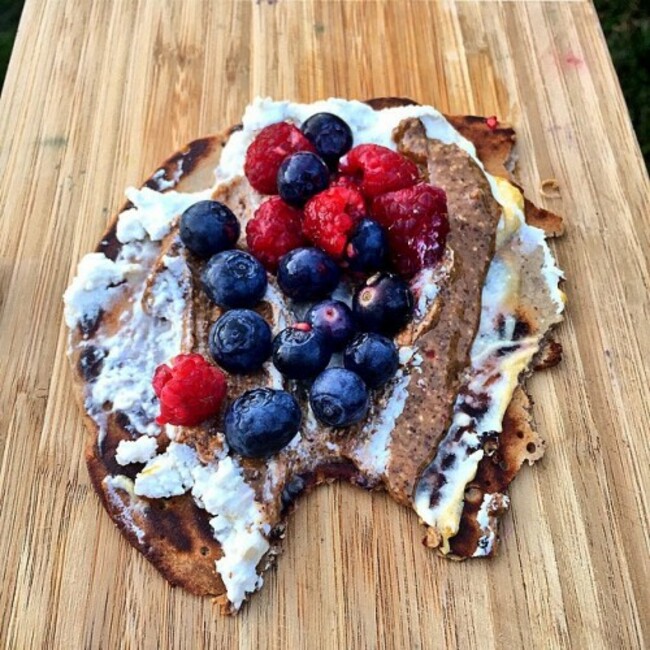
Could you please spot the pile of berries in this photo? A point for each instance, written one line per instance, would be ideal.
(360, 205)
(334, 209)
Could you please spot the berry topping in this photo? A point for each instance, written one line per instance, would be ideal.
(234, 279)
(379, 169)
(339, 397)
(300, 176)
(307, 274)
(384, 304)
(367, 247)
(261, 422)
(373, 357)
(334, 320)
(417, 224)
(275, 230)
(300, 353)
(240, 341)
(208, 227)
(331, 136)
(330, 216)
(341, 180)
(266, 153)
(190, 391)
(491, 122)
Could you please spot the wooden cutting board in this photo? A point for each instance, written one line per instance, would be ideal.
(98, 93)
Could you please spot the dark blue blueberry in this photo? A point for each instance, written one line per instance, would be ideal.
(261, 422)
(301, 176)
(339, 397)
(307, 274)
(367, 247)
(373, 357)
(331, 136)
(208, 227)
(300, 352)
(240, 341)
(384, 304)
(334, 320)
(234, 279)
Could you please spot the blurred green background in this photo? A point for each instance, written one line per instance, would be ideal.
(626, 24)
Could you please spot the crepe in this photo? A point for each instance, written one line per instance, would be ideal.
(211, 521)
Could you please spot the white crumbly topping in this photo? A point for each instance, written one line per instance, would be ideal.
(238, 525)
(149, 335)
(158, 177)
(373, 455)
(139, 450)
(153, 212)
(405, 354)
(168, 474)
(153, 333)
(368, 126)
(486, 518)
(99, 281)
(425, 287)
(120, 483)
(220, 489)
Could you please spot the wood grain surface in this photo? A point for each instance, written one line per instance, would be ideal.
(98, 93)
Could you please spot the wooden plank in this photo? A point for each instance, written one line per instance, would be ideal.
(98, 94)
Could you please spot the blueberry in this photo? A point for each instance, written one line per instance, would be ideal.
(367, 247)
(339, 397)
(234, 279)
(334, 320)
(300, 352)
(307, 274)
(240, 341)
(373, 357)
(384, 304)
(261, 422)
(301, 176)
(331, 136)
(208, 227)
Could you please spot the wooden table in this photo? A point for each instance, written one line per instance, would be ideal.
(98, 93)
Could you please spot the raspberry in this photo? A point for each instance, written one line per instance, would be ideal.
(266, 153)
(417, 225)
(379, 169)
(341, 180)
(492, 122)
(190, 391)
(330, 216)
(351, 183)
(275, 230)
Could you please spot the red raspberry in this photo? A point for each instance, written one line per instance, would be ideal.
(492, 122)
(379, 169)
(341, 180)
(417, 225)
(275, 230)
(190, 391)
(330, 216)
(266, 153)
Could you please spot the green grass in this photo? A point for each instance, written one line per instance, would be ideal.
(626, 24)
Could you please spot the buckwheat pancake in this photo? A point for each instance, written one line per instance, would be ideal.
(445, 436)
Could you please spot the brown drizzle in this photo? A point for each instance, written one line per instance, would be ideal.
(474, 215)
